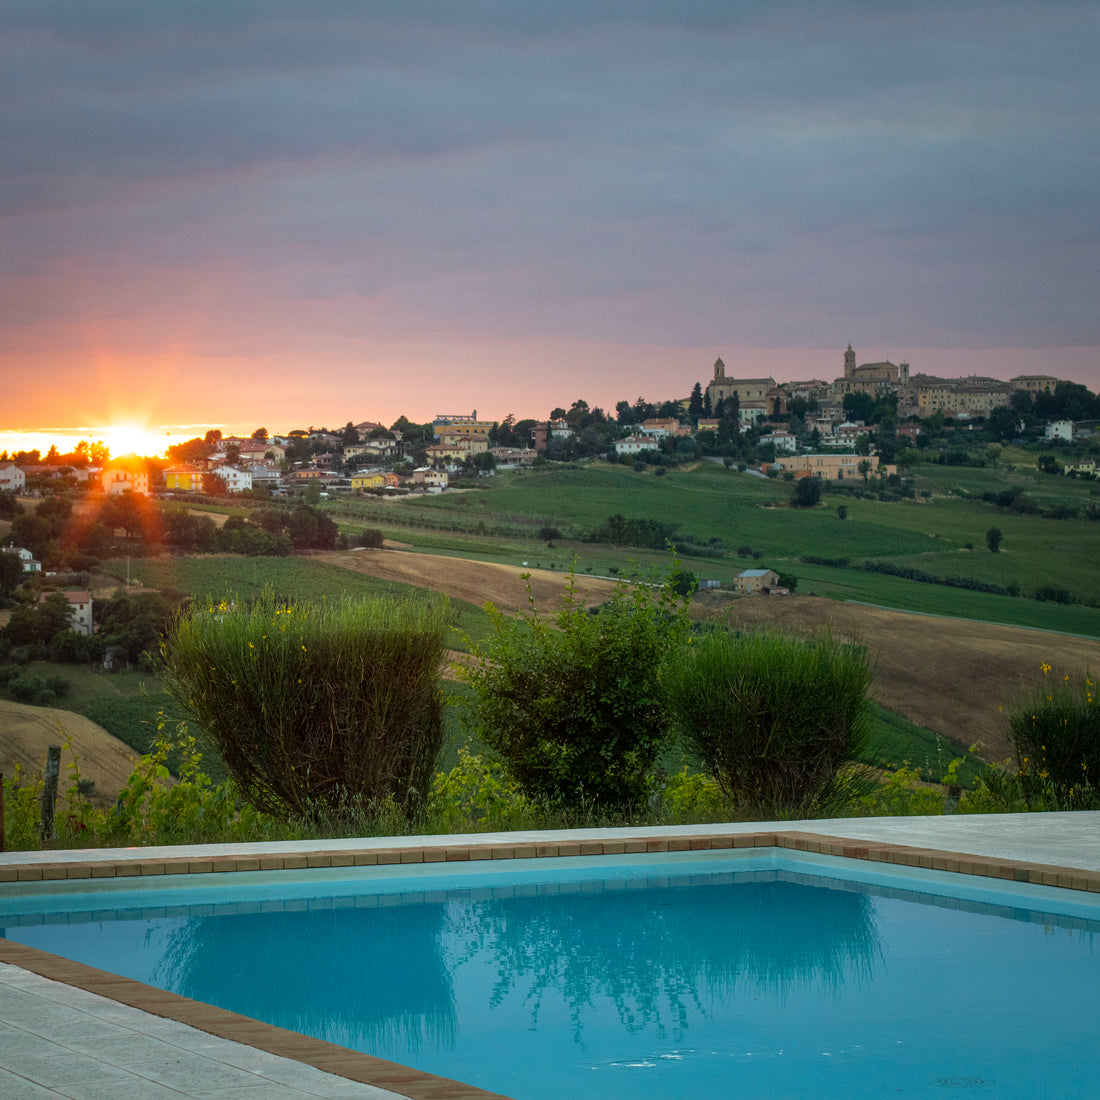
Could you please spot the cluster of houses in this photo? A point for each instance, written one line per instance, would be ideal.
(762, 403)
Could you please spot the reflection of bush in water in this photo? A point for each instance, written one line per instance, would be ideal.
(656, 953)
(359, 977)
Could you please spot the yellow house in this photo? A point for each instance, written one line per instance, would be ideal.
(183, 479)
(368, 481)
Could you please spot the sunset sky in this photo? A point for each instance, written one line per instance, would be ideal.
(256, 212)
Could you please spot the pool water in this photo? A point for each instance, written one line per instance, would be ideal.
(716, 975)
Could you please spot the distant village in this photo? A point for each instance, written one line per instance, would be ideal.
(852, 427)
(870, 420)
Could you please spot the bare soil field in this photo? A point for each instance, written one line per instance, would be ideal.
(949, 675)
(476, 582)
(26, 733)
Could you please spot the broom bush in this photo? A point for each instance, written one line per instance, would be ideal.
(316, 709)
(1055, 731)
(772, 718)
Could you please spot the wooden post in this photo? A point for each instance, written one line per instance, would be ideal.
(49, 790)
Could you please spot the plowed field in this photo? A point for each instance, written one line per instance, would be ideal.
(27, 732)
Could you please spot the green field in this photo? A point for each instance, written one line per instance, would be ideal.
(218, 577)
(943, 535)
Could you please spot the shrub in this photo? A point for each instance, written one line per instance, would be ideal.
(1052, 593)
(370, 539)
(572, 704)
(1056, 737)
(807, 493)
(477, 795)
(38, 690)
(315, 709)
(771, 717)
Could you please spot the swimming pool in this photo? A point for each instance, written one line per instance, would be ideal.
(749, 973)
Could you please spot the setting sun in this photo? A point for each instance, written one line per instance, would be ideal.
(125, 439)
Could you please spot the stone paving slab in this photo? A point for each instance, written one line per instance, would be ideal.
(57, 1040)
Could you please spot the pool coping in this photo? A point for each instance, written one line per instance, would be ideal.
(404, 1080)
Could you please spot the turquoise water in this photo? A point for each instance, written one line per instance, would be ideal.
(640, 978)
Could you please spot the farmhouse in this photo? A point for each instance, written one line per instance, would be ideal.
(635, 444)
(759, 582)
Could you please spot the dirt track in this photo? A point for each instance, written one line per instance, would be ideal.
(950, 675)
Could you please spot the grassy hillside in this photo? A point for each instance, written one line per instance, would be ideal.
(942, 534)
(216, 576)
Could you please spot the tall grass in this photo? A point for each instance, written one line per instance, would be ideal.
(315, 708)
(771, 717)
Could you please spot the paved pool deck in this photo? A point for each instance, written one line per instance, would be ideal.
(69, 1030)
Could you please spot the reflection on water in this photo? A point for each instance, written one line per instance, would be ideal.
(658, 957)
(378, 971)
(365, 978)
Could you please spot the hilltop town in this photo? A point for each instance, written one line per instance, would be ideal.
(863, 423)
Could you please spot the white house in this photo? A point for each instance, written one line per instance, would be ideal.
(635, 444)
(30, 563)
(12, 478)
(80, 610)
(846, 434)
(1059, 429)
(236, 480)
(786, 442)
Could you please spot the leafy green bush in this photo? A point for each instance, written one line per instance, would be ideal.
(328, 708)
(690, 798)
(477, 795)
(38, 690)
(1056, 736)
(771, 717)
(572, 704)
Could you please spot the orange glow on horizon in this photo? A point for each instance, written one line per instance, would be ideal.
(120, 439)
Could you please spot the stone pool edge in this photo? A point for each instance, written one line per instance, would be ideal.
(139, 865)
(404, 1080)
